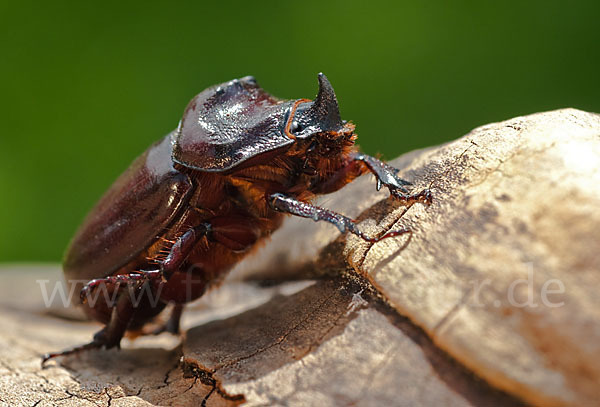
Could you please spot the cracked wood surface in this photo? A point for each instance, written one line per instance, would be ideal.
(329, 342)
(425, 319)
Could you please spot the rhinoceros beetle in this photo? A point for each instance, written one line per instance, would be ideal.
(197, 201)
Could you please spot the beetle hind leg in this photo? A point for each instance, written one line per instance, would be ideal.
(108, 337)
(66, 352)
(128, 292)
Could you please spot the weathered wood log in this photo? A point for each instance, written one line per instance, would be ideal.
(489, 301)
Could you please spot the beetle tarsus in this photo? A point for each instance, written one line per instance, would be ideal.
(108, 337)
(425, 197)
(283, 203)
(100, 340)
(77, 349)
(385, 173)
(388, 176)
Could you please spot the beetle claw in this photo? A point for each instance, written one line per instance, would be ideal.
(425, 197)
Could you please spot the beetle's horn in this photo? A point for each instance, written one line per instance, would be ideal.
(325, 106)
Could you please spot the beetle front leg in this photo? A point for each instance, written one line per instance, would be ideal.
(283, 203)
(388, 176)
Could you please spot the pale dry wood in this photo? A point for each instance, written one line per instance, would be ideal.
(332, 344)
(309, 343)
(413, 321)
(517, 208)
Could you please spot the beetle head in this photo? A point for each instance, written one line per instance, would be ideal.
(322, 137)
(319, 116)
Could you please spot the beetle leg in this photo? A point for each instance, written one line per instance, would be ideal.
(124, 309)
(177, 255)
(388, 176)
(135, 278)
(283, 203)
(109, 336)
(181, 249)
(172, 324)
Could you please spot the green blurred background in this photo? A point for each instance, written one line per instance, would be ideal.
(88, 86)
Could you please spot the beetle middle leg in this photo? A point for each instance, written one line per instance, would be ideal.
(177, 255)
(283, 203)
(172, 324)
